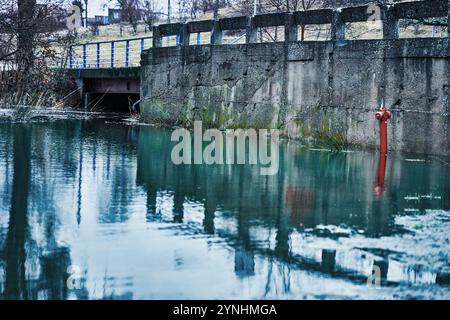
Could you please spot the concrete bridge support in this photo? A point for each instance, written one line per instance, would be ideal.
(94, 84)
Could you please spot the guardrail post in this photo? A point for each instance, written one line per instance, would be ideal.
(251, 35)
(142, 44)
(216, 33)
(127, 53)
(390, 23)
(98, 55)
(84, 56)
(112, 54)
(337, 26)
(199, 38)
(70, 57)
(157, 39)
(290, 29)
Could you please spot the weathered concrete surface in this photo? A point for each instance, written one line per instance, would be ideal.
(314, 91)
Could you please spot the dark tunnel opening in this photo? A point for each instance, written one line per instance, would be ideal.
(113, 102)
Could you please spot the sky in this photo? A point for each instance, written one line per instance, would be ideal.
(100, 7)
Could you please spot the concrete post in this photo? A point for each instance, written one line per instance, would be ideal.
(184, 35)
(390, 23)
(216, 33)
(290, 29)
(443, 276)
(251, 32)
(383, 267)
(328, 260)
(337, 26)
(157, 39)
(87, 100)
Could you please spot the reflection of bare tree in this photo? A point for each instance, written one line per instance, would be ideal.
(48, 262)
(80, 172)
(15, 281)
(6, 147)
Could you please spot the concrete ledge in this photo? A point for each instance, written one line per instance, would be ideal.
(105, 73)
(170, 29)
(356, 14)
(270, 20)
(322, 16)
(200, 26)
(421, 9)
(237, 23)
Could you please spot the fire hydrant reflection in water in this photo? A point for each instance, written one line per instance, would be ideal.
(379, 182)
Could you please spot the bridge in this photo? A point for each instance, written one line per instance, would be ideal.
(303, 85)
(112, 67)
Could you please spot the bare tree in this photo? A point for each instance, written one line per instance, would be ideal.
(212, 5)
(94, 28)
(25, 35)
(131, 12)
(150, 13)
(29, 42)
(184, 9)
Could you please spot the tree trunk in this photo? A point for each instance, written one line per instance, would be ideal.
(25, 39)
(16, 239)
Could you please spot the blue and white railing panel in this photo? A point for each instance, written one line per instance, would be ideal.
(108, 54)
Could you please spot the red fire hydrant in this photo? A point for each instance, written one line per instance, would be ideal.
(383, 115)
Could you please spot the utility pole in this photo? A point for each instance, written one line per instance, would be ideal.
(85, 13)
(169, 10)
(216, 9)
(255, 5)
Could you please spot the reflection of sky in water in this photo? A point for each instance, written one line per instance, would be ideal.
(139, 227)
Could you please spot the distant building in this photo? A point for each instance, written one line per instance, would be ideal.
(114, 15)
(90, 21)
(102, 20)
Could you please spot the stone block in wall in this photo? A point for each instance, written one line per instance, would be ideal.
(300, 52)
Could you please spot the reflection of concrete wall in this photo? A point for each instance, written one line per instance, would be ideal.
(311, 188)
(307, 191)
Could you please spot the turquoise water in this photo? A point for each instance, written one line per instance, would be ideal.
(95, 209)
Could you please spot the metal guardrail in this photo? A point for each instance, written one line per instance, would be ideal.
(117, 53)
(108, 54)
(121, 53)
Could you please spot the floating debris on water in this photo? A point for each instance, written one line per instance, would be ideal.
(320, 150)
(332, 231)
(424, 196)
(411, 210)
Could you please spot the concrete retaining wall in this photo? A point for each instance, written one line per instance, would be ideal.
(322, 92)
